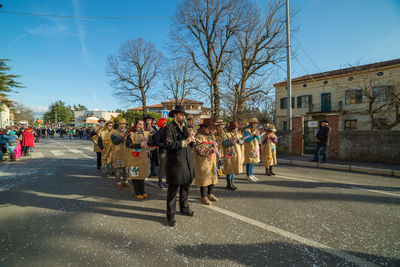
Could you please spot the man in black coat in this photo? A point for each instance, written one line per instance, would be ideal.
(322, 139)
(179, 166)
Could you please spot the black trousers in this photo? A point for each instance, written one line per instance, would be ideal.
(171, 199)
(204, 190)
(98, 160)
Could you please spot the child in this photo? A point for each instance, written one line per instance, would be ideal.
(268, 147)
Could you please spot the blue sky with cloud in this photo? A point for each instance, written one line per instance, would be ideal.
(64, 59)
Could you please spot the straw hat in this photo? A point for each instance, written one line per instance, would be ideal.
(253, 120)
(122, 121)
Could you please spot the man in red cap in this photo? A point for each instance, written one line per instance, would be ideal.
(27, 141)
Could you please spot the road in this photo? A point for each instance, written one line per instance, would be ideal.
(56, 210)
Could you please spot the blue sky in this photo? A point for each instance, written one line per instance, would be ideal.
(64, 59)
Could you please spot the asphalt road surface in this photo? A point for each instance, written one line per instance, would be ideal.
(56, 210)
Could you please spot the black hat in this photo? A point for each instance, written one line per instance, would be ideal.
(178, 109)
(324, 121)
(148, 117)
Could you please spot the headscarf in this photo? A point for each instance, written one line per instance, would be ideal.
(161, 123)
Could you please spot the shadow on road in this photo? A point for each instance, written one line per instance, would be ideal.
(276, 254)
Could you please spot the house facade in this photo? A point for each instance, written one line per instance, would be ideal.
(6, 116)
(82, 115)
(192, 107)
(352, 100)
(350, 93)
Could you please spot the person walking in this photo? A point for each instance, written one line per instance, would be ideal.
(233, 162)
(148, 122)
(251, 148)
(268, 148)
(205, 162)
(104, 143)
(322, 139)
(138, 158)
(158, 140)
(96, 131)
(27, 141)
(119, 154)
(179, 168)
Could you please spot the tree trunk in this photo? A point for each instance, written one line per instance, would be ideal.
(241, 99)
(144, 111)
(216, 107)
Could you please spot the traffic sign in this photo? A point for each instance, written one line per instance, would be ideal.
(165, 114)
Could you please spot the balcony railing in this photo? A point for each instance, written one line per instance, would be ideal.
(327, 107)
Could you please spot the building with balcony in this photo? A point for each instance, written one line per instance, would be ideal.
(352, 94)
(192, 107)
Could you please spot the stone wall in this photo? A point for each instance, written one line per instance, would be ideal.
(378, 146)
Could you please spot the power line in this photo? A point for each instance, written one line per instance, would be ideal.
(85, 17)
(309, 57)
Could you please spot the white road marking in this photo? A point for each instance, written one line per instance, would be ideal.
(294, 237)
(74, 150)
(57, 153)
(37, 155)
(339, 182)
(87, 147)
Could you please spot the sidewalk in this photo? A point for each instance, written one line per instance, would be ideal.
(390, 169)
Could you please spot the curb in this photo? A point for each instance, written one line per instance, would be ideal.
(351, 168)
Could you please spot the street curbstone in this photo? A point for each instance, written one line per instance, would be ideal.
(304, 163)
(285, 161)
(335, 166)
(371, 170)
(396, 173)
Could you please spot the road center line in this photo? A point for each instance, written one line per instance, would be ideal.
(339, 182)
(292, 236)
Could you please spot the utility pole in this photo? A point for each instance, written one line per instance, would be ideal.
(289, 74)
(56, 116)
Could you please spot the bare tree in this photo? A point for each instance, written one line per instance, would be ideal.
(260, 44)
(203, 30)
(383, 98)
(382, 95)
(179, 80)
(22, 113)
(134, 70)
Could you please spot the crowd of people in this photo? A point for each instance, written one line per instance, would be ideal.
(183, 154)
(16, 142)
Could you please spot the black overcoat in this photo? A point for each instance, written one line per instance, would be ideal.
(179, 165)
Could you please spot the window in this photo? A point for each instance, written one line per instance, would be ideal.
(350, 79)
(305, 85)
(353, 96)
(350, 125)
(304, 101)
(284, 125)
(379, 74)
(284, 103)
(381, 93)
(325, 82)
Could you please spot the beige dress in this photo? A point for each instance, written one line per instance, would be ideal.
(268, 149)
(205, 161)
(251, 149)
(233, 156)
(119, 153)
(138, 158)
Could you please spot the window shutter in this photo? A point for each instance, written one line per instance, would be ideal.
(293, 103)
(310, 99)
(359, 96)
(282, 103)
(299, 102)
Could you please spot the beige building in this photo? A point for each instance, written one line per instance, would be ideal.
(192, 107)
(81, 116)
(351, 93)
(6, 115)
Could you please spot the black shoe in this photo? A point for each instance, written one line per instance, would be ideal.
(171, 222)
(189, 213)
(271, 172)
(231, 186)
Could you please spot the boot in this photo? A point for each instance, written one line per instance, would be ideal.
(12, 157)
(205, 201)
(212, 197)
(270, 171)
(230, 185)
(119, 186)
(267, 172)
